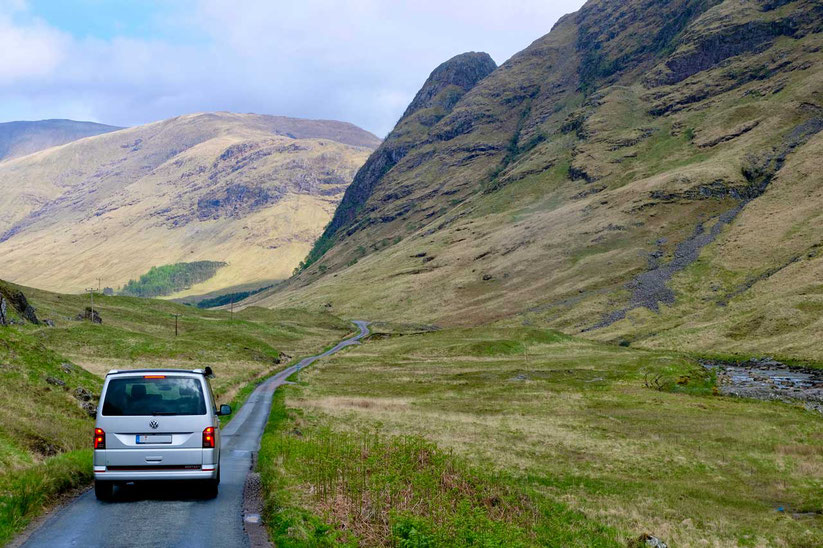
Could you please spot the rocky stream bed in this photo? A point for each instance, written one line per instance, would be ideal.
(768, 379)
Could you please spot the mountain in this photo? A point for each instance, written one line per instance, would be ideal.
(649, 172)
(249, 190)
(22, 138)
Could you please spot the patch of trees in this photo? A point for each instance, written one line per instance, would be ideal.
(171, 278)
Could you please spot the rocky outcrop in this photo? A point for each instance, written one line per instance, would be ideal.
(462, 72)
(234, 201)
(619, 38)
(14, 299)
(708, 50)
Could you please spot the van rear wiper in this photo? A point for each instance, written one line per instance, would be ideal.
(163, 413)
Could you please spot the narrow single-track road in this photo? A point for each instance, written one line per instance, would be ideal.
(175, 515)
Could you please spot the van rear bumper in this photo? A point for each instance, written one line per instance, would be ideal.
(155, 464)
(103, 473)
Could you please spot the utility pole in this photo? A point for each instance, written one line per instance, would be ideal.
(99, 283)
(91, 294)
(175, 323)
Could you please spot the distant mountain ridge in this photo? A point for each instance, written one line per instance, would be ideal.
(253, 191)
(648, 171)
(23, 138)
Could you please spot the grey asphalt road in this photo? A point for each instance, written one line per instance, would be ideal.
(176, 514)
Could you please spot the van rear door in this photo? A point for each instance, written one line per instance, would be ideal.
(154, 421)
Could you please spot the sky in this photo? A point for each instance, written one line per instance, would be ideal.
(130, 62)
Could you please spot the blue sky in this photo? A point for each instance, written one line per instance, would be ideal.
(106, 19)
(129, 62)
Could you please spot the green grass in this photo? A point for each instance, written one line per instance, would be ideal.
(140, 333)
(39, 419)
(26, 493)
(369, 489)
(44, 430)
(633, 440)
(171, 278)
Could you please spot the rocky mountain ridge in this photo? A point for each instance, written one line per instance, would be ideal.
(612, 179)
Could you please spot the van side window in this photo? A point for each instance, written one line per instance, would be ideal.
(211, 395)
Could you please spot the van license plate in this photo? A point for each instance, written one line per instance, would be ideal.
(144, 438)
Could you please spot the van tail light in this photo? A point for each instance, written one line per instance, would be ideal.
(208, 437)
(99, 438)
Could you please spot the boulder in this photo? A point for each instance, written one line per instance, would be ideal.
(55, 381)
(90, 315)
(89, 408)
(83, 394)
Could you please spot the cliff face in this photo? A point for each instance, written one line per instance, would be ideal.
(250, 190)
(648, 170)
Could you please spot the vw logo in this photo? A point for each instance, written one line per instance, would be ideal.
(154, 425)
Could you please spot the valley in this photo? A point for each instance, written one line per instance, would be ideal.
(603, 443)
(588, 285)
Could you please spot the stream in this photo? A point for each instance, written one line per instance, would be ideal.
(767, 379)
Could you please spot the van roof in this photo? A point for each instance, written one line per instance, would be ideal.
(122, 371)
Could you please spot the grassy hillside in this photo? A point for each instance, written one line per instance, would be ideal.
(647, 170)
(23, 138)
(171, 278)
(576, 432)
(52, 376)
(250, 190)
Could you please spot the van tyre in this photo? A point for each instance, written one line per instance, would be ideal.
(103, 490)
(210, 487)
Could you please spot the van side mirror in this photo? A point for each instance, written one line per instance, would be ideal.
(224, 410)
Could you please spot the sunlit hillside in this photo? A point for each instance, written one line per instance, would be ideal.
(252, 191)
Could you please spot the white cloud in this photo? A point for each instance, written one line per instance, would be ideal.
(360, 61)
(29, 51)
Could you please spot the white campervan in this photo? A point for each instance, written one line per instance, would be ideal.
(157, 424)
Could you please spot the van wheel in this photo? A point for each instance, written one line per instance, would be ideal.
(103, 490)
(210, 487)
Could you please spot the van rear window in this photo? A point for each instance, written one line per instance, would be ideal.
(130, 396)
